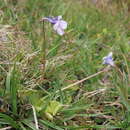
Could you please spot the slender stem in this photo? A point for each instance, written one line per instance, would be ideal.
(35, 118)
(44, 50)
(6, 128)
(82, 80)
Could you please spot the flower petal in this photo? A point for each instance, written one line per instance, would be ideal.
(111, 63)
(108, 59)
(59, 17)
(56, 26)
(63, 24)
(50, 19)
(110, 54)
(60, 31)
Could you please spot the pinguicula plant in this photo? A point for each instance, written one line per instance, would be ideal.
(59, 25)
(122, 89)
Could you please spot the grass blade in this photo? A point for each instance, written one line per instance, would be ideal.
(50, 124)
(9, 120)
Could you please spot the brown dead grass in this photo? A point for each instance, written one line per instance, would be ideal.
(12, 43)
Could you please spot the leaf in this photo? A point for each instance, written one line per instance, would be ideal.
(36, 101)
(12, 84)
(91, 126)
(52, 109)
(29, 123)
(50, 124)
(76, 108)
(8, 119)
(8, 80)
(13, 89)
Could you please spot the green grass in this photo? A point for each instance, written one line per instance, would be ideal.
(99, 102)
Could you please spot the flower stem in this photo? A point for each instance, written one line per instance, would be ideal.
(43, 51)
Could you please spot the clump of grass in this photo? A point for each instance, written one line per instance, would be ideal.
(65, 98)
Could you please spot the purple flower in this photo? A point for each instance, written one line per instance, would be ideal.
(52, 20)
(59, 25)
(108, 59)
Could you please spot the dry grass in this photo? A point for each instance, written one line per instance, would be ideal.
(12, 43)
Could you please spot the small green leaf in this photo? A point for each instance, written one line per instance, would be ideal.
(52, 109)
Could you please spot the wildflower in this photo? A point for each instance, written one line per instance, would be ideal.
(108, 59)
(59, 25)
